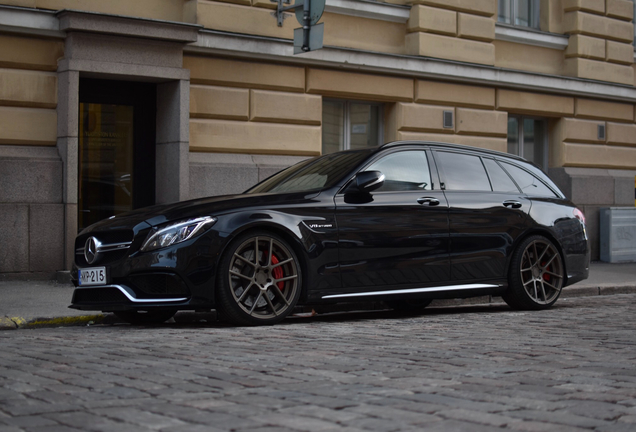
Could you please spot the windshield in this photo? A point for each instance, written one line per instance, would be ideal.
(318, 173)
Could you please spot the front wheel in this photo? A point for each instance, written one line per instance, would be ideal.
(259, 280)
(536, 275)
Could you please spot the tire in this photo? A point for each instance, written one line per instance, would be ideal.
(256, 286)
(145, 317)
(408, 305)
(536, 275)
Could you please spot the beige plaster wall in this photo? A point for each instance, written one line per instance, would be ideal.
(601, 40)
(343, 30)
(169, 10)
(512, 55)
(461, 30)
(28, 90)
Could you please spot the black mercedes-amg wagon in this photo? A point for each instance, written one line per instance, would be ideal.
(404, 223)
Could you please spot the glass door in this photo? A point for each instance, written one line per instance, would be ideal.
(116, 158)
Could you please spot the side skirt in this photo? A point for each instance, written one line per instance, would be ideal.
(414, 291)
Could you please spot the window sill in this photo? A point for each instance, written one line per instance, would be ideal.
(369, 9)
(529, 36)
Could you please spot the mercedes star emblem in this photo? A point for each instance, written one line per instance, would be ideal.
(91, 250)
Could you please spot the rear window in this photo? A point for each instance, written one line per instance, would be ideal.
(501, 182)
(528, 183)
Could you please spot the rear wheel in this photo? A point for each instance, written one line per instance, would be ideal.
(259, 280)
(145, 317)
(536, 275)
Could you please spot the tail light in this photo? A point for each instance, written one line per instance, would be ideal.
(579, 215)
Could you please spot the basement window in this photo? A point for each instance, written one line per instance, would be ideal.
(350, 125)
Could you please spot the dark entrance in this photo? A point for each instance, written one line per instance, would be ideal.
(116, 148)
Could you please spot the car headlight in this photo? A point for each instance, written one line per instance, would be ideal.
(176, 232)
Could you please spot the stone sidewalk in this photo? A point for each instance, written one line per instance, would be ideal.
(45, 303)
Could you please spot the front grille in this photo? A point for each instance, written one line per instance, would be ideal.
(106, 238)
(98, 296)
(167, 284)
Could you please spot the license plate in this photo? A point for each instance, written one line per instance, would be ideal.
(92, 276)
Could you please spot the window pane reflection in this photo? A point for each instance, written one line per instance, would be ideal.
(513, 135)
(105, 161)
(363, 127)
(332, 126)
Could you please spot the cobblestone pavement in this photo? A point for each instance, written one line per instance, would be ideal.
(471, 368)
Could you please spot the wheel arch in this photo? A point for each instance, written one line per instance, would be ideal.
(544, 233)
(291, 238)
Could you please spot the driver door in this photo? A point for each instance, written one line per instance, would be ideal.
(396, 237)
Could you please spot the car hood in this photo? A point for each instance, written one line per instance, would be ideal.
(212, 206)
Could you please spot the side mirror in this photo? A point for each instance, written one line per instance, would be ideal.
(366, 181)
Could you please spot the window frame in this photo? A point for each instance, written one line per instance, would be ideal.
(346, 124)
(427, 156)
(444, 175)
(514, 13)
(544, 142)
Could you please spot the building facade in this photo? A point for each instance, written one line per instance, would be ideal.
(110, 106)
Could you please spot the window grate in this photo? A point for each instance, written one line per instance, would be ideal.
(448, 119)
(601, 132)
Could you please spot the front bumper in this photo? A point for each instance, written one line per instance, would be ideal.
(177, 277)
(119, 297)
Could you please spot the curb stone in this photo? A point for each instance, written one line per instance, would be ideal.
(14, 323)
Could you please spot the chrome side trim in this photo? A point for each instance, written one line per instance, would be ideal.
(130, 297)
(414, 290)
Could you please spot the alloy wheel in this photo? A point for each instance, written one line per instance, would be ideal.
(263, 277)
(541, 272)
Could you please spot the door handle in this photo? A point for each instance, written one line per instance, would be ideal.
(428, 201)
(512, 204)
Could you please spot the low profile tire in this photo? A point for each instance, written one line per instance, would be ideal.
(408, 305)
(259, 280)
(536, 275)
(145, 317)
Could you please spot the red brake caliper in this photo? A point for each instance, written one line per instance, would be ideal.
(278, 273)
(546, 277)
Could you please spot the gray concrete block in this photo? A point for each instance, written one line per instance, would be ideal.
(14, 238)
(172, 172)
(69, 152)
(594, 190)
(221, 179)
(46, 237)
(592, 220)
(123, 50)
(562, 179)
(68, 104)
(70, 232)
(624, 190)
(173, 111)
(30, 180)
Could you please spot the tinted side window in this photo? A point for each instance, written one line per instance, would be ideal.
(463, 172)
(501, 182)
(528, 183)
(403, 171)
